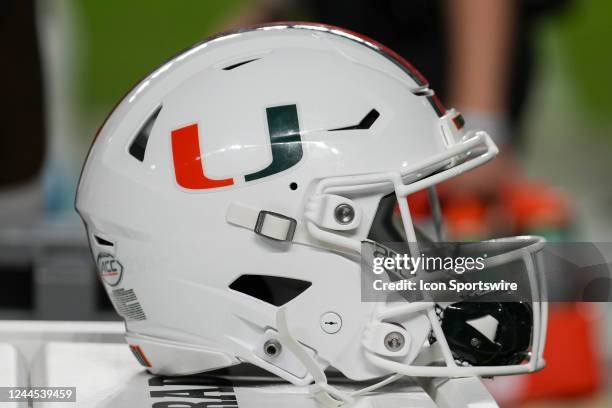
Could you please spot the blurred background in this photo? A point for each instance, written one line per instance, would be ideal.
(535, 73)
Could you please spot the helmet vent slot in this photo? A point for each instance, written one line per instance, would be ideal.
(275, 290)
(139, 144)
(366, 123)
(423, 92)
(102, 242)
(239, 64)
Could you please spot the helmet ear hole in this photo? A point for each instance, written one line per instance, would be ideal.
(275, 290)
(293, 186)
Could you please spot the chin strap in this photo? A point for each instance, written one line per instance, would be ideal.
(327, 395)
(323, 392)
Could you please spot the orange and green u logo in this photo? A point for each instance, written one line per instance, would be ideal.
(285, 141)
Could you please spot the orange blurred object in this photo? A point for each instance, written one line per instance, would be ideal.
(535, 206)
(574, 365)
(419, 206)
(466, 219)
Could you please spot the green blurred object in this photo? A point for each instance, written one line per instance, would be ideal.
(584, 35)
(125, 40)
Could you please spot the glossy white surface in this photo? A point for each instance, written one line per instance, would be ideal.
(107, 375)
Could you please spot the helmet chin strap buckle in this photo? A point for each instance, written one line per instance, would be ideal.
(324, 393)
(327, 395)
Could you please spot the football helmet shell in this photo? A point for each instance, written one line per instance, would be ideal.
(258, 159)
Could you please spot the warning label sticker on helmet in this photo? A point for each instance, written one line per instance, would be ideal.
(109, 268)
(126, 304)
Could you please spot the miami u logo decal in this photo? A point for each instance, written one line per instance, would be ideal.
(285, 141)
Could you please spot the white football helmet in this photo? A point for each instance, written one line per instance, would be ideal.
(227, 196)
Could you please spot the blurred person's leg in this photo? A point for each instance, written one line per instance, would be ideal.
(481, 37)
(22, 141)
(490, 65)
